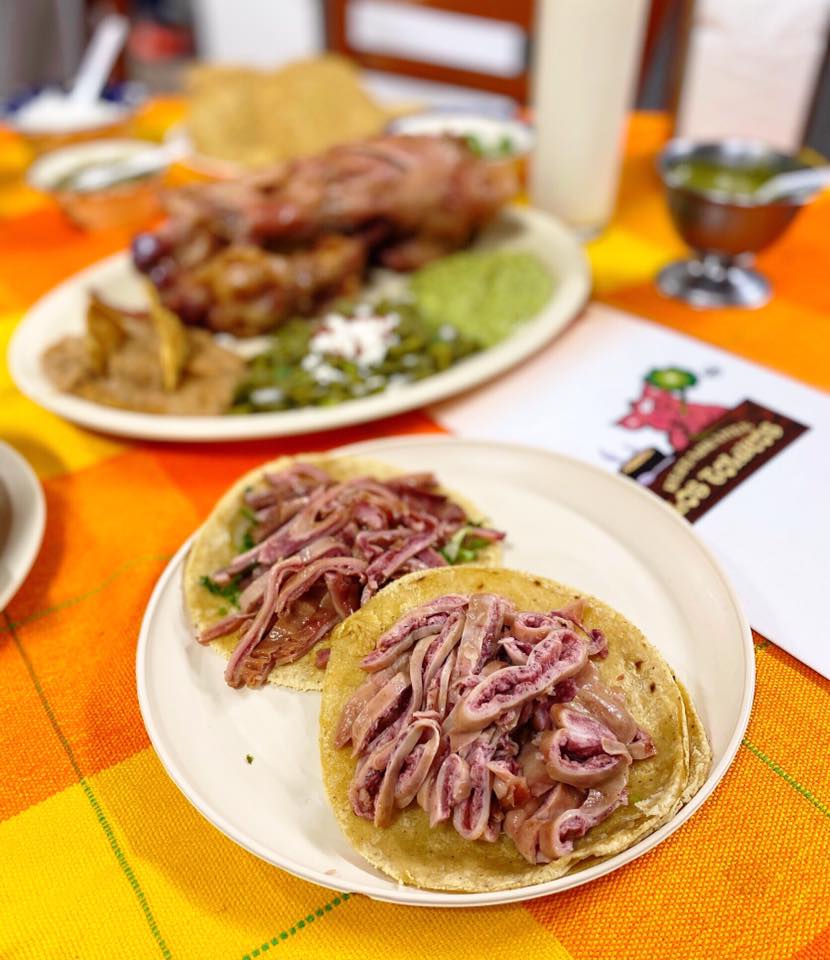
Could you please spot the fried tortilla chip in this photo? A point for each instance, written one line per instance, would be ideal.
(104, 333)
(174, 348)
(439, 858)
(218, 542)
(256, 118)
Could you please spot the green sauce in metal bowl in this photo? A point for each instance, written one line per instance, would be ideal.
(485, 295)
(705, 175)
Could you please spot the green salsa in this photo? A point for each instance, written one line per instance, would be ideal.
(707, 175)
(503, 147)
(484, 295)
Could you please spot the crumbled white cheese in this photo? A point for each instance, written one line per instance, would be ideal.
(310, 361)
(363, 339)
(447, 332)
(247, 348)
(264, 396)
(325, 374)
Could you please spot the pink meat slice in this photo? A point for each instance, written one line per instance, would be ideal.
(379, 711)
(582, 752)
(559, 656)
(404, 745)
(540, 750)
(472, 815)
(288, 582)
(482, 630)
(600, 803)
(452, 786)
(410, 628)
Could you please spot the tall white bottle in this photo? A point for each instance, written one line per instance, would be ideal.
(585, 68)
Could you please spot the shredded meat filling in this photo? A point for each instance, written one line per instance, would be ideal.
(321, 548)
(492, 720)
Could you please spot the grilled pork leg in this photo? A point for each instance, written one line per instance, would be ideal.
(241, 256)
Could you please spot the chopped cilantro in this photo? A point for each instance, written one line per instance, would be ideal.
(249, 758)
(475, 145)
(246, 541)
(503, 147)
(230, 591)
(470, 550)
(475, 543)
(463, 547)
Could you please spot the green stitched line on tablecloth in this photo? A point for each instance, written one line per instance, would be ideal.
(72, 601)
(90, 795)
(298, 926)
(808, 796)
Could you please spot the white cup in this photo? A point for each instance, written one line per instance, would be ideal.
(585, 69)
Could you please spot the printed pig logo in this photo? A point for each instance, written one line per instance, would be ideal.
(662, 405)
(714, 449)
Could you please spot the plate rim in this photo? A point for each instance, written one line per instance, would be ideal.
(31, 527)
(571, 293)
(402, 894)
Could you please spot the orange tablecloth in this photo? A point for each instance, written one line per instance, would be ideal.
(102, 857)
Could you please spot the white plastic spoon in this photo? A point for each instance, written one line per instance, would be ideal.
(151, 160)
(786, 185)
(99, 59)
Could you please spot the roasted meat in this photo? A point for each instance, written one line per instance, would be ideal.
(241, 256)
(244, 289)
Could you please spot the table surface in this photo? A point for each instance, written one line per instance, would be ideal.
(101, 854)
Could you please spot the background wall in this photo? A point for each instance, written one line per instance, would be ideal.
(753, 67)
(257, 32)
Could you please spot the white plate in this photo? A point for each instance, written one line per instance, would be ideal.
(22, 519)
(566, 520)
(62, 312)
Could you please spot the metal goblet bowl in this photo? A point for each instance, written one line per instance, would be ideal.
(724, 230)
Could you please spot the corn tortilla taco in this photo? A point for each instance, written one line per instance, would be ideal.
(298, 543)
(483, 729)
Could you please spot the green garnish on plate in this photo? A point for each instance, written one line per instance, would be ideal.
(464, 546)
(229, 591)
(290, 374)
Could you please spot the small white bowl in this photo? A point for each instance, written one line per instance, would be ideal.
(57, 123)
(55, 113)
(131, 203)
(489, 132)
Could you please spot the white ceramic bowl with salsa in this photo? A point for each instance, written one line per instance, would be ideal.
(127, 204)
(490, 136)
